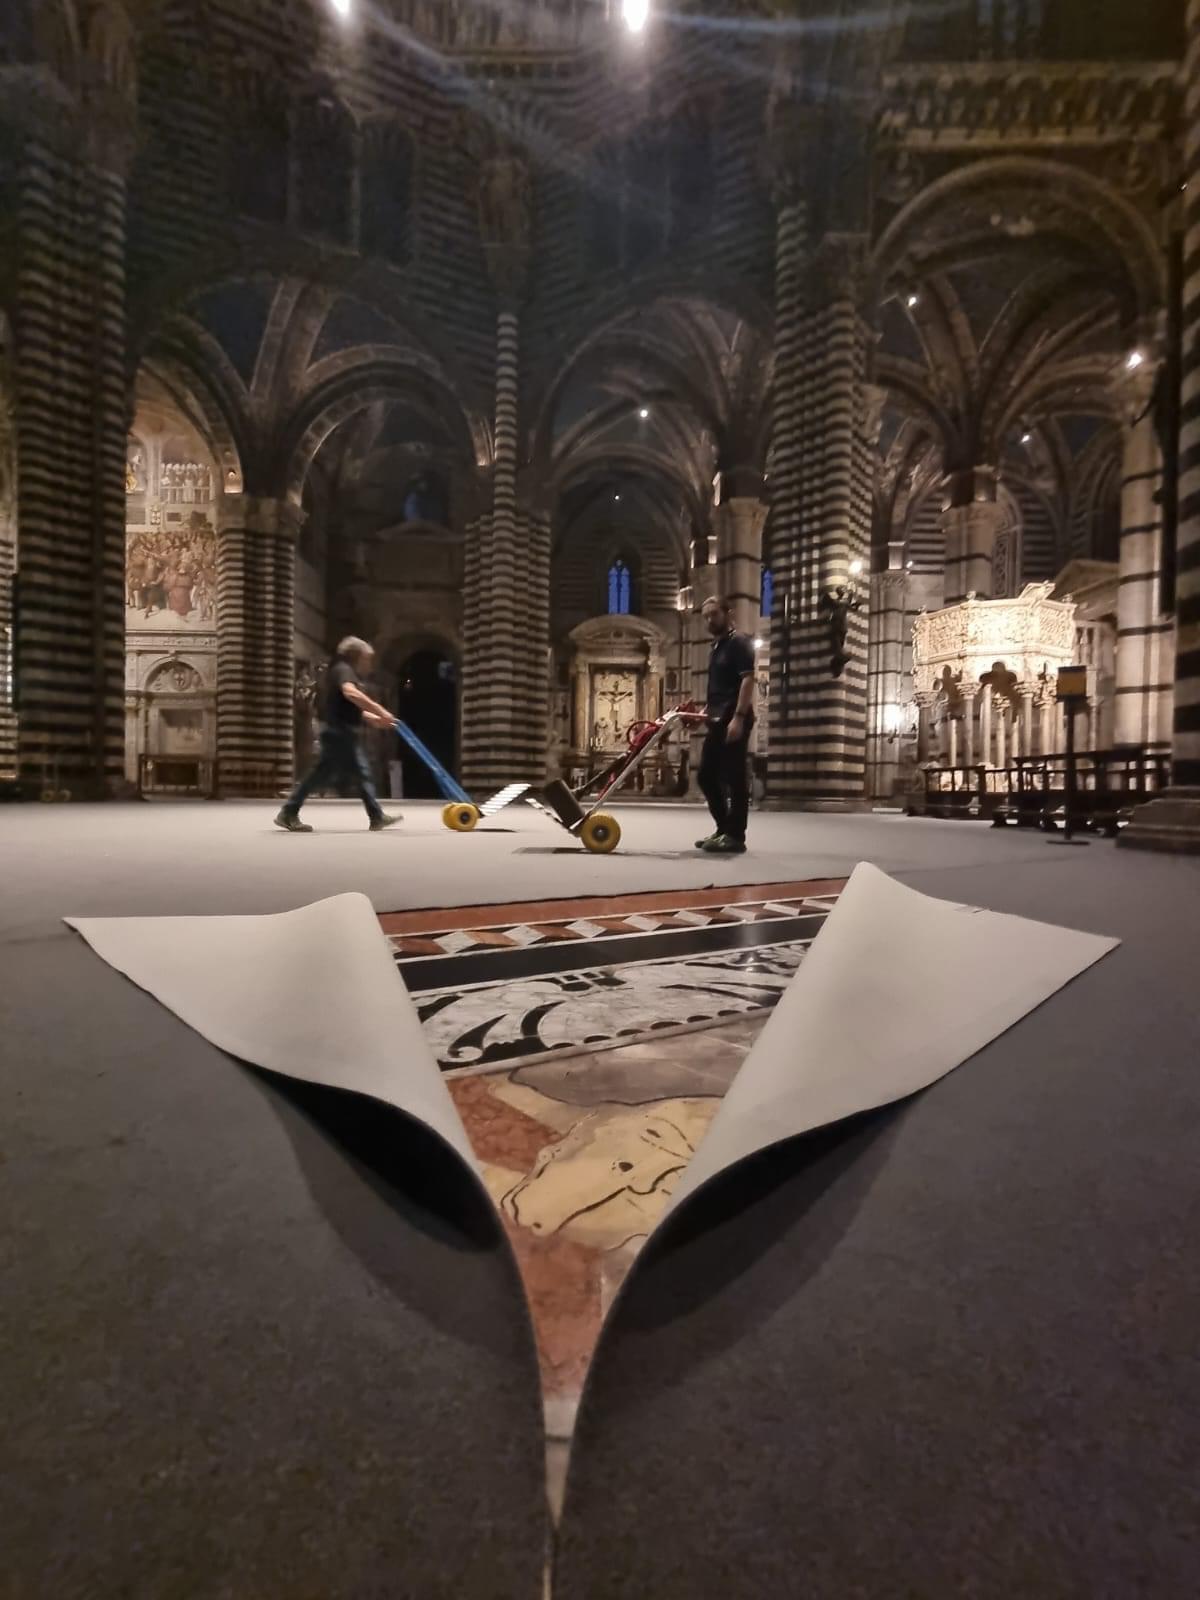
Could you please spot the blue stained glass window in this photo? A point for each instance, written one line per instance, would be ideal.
(618, 590)
(768, 592)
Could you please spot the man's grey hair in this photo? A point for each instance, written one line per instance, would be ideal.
(352, 648)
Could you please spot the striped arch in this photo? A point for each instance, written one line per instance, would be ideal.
(199, 388)
(353, 387)
(956, 218)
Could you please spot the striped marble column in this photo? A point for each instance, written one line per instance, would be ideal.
(885, 680)
(255, 646)
(8, 562)
(534, 587)
(822, 533)
(970, 523)
(504, 699)
(739, 521)
(788, 471)
(1142, 709)
(70, 428)
(1173, 823)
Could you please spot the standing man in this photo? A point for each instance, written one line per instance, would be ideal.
(723, 776)
(342, 758)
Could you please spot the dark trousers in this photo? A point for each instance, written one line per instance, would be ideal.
(724, 780)
(341, 761)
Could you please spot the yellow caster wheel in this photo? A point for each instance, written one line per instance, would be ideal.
(600, 833)
(460, 817)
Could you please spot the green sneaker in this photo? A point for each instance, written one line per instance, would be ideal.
(723, 845)
(290, 821)
(703, 844)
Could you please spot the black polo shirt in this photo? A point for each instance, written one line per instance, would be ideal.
(730, 660)
(342, 715)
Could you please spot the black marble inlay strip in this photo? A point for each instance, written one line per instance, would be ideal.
(498, 966)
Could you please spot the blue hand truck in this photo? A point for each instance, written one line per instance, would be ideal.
(460, 814)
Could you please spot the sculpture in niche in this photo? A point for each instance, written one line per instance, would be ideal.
(171, 577)
(135, 469)
(837, 606)
(506, 202)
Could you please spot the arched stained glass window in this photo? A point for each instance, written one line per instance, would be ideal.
(619, 596)
(768, 592)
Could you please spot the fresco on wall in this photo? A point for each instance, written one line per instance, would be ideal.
(171, 577)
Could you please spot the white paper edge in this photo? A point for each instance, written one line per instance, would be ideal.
(897, 990)
(312, 994)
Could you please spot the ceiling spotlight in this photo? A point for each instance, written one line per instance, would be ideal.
(1134, 360)
(616, 497)
(908, 566)
(1027, 438)
(913, 301)
(635, 14)
(342, 7)
(856, 567)
(758, 644)
(644, 412)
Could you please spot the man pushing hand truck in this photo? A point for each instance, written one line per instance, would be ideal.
(342, 759)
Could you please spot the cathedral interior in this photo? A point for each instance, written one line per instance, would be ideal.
(503, 334)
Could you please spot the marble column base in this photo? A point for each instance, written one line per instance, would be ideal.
(1170, 823)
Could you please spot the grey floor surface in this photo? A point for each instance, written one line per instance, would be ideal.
(255, 1345)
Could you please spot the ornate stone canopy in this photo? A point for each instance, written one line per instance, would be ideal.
(1032, 635)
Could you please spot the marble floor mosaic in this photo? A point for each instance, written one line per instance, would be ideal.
(581, 1157)
(500, 986)
(490, 1023)
(582, 1095)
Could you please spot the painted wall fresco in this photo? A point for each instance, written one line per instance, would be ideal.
(171, 577)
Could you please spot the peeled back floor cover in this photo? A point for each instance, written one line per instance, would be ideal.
(263, 1339)
(867, 1353)
(860, 1028)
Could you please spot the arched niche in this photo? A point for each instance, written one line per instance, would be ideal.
(171, 722)
(616, 667)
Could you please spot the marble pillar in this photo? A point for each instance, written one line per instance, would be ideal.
(970, 524)
(1143, 687)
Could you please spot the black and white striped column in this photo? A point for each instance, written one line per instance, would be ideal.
(970, 522)
(885, 680)
(1142, 709)
(70, 426)
(788, 463)
(505, 697)
(822, 464)
(256, 549)
(1173, 823)
(739, 520)
(8, 562)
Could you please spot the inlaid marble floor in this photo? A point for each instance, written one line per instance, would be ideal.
(582, 1136)
(581, 1156)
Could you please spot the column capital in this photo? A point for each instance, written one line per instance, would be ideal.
(972, 486)
(262, 514)
(840, 265)
(791, 132)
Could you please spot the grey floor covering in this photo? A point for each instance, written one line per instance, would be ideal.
(952, 1349)
(254, 1348)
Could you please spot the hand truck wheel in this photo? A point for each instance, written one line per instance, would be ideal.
(600, 833)
(460, 817)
